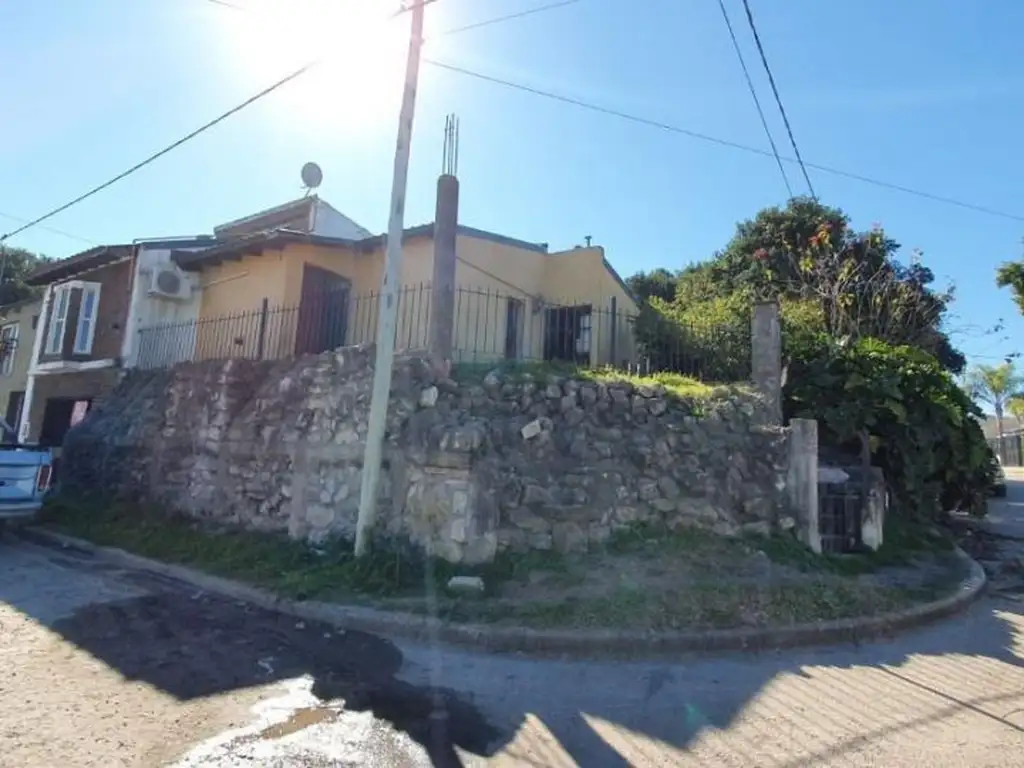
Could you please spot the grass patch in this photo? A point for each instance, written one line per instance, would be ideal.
(291, 568)
(398, 578)
(674, 383)
(903, 541)
(702, 606)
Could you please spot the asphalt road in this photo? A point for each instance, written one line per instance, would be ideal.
(104, 667)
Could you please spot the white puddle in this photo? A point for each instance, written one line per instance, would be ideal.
(298, 729)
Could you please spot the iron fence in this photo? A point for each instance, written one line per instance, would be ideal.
(1009, 449)
(487, 326)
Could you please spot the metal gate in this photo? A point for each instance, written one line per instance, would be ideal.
(840, 513)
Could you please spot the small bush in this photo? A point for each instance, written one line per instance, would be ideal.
(922, 428)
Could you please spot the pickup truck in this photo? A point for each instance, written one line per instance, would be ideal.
(25, 474)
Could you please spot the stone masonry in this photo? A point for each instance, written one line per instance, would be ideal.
(470, 469)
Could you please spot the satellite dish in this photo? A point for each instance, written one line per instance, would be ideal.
(312, 175)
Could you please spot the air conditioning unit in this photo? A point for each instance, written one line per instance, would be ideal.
(170, 283)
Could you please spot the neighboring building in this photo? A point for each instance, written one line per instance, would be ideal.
(97, 302)
(91, 305)
(76, 353)
(17, 333)
(1011, 425)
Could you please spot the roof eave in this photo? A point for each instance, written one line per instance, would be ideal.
(86, 261)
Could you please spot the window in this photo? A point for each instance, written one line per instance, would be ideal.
(513, 328)
(87, 318)
(583, 336)
(58, 319)
(75, 304)
(568, 333)
(8, 348)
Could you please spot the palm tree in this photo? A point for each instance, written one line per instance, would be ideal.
(997, 385)
(1015, 406)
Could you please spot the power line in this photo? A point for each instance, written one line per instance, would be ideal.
(719, 141)
(456, 30)
(156, 155)
(54, 230)
(508, 17)
(174, 145)
(778, 99)
(256, 97)
(753, 93)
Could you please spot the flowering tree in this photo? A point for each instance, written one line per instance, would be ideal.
(808, 251)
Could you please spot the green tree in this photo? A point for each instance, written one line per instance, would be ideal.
(15, 266)
(1011, 275)
(807, 253)
(995, 385)
(659, 283)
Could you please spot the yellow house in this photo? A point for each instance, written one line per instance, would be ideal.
(18, 324)
(275, 292)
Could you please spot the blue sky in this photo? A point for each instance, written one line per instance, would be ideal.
(931, 100)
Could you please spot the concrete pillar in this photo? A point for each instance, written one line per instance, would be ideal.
(875, 507)
(766, 356)
(802, 480)
(442, 286)
(24, 427)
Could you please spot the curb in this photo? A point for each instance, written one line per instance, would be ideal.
(522, 640)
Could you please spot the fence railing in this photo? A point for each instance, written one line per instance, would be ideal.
(487, 326)
(1009, 449)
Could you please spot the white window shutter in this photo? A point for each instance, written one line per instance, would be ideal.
(9, 338)
(58, 319)
(87, 313)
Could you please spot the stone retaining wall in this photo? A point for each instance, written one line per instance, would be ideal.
(470, 468)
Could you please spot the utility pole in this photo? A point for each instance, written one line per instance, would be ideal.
(389, 300)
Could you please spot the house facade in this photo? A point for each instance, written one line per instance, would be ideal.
(274, 292)
(18, 324)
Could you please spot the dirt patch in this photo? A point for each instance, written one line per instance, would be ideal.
(1001, 555)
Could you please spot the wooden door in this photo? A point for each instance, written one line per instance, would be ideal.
(323, 311)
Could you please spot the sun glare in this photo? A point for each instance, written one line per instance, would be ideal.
(360, 46)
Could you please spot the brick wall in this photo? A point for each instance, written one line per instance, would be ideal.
(111, 317)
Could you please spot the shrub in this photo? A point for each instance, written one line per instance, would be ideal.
(922, 428)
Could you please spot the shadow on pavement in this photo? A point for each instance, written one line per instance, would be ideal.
(194, 645)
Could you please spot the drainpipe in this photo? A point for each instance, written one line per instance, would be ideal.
(24, 428)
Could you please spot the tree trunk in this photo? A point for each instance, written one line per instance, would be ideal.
(999, 431)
